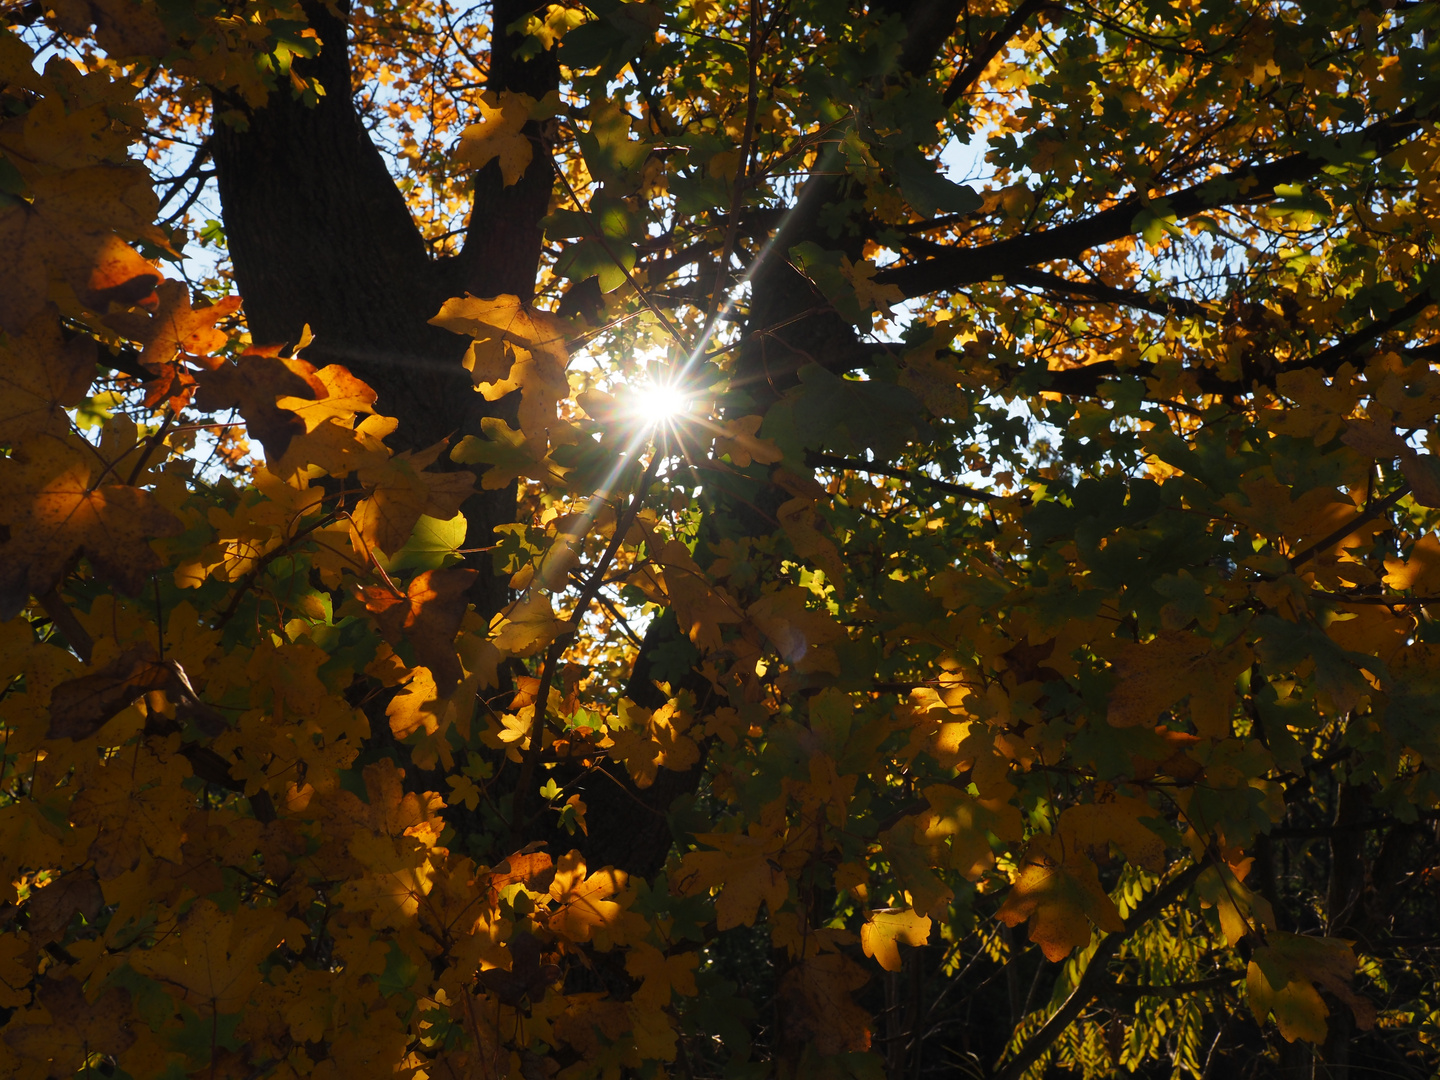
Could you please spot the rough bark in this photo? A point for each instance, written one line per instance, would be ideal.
(321, 236)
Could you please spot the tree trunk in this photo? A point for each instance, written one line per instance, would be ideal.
(320, 236)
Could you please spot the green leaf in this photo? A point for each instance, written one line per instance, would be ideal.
(433, 544)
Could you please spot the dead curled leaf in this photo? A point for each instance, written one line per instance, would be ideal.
(81, 707)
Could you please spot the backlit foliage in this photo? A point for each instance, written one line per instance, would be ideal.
(1071, 616)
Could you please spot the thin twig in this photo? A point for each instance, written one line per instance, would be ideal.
(562, 641)
(598, 235)
(813, 458)
(997, 41)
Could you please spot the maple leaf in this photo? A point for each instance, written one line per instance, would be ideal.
(401, 492)
(738, 441)
(516, 348)
(428, 616)
(1282, 979)
(1153, 675)
(399, 874)
(649, 741)
(41, 375)
(51, 908)
(700, 608)
(888, 928)
(966, 822)
(509, 454)
(661, 976)
(78, 1027)
(1058, 891)
(17, 968)
(66, 231)
(80, 707)
(533, 869)
(800, 634)
(175, 327)
(743, 869)
(814, 999)
(1095, 826)
(1384, 444)
(526, 625)
(912, 856)
(213, 959)
(252, 383)
(582, 904)
(799, 520)
(340, 397)
(417, 707)
(527, 978)
(498, 134)
(1419, 571)
(59, 501)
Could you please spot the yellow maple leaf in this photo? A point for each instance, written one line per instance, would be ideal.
(651, 740)
(1285, 975)
(526, 625)
(41, 375)
(214, 958)
(343, 396)
(743, 868)
(1093, 827)
(17, 970)
(517, 348)
(885, 930)
(1058, 891)
(816, 1006)
(498, 134)
(661, 975)
(59, 500)
(966, 823)
(868, 294)
(401, 491)
(737, 440)
(801, 524)
(582, 904)
(176, 326)
(1153, 675)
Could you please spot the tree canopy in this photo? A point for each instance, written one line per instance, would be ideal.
(777, 538)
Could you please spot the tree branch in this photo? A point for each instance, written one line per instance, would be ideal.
(814, 458)
(1372, 511)
(965, 266)
(1040, 279)
(988, 51)
(558, 646)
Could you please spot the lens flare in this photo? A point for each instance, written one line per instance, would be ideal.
(656, 403)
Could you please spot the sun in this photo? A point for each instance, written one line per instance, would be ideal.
(657, 403)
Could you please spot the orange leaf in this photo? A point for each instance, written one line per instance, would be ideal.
(428, 616)
(889, 928)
